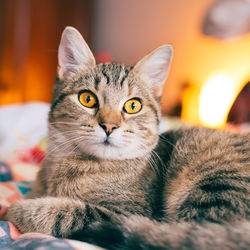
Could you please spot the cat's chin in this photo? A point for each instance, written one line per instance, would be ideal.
(107, 151)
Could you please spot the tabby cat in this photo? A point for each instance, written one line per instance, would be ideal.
(110, 179)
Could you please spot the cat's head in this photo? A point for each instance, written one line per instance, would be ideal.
(109, 111)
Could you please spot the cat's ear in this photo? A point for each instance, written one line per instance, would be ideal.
(154, 67)
(74, 54)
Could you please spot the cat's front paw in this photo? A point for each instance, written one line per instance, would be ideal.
(28, 216)
(48, 215)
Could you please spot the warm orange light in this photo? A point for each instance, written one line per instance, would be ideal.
(209, 104)
(212, 65)
(216, 98)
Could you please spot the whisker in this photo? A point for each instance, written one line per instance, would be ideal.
(60, 147)
(68, 143)
(162, 163)
(77, 146)
(166, 140)
(152, 164)
(77, 132)
(63, 133)
(71, 123)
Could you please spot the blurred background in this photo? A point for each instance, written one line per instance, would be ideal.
(208, 82)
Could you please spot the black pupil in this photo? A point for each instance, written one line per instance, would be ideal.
(88, 99)
(133, 105)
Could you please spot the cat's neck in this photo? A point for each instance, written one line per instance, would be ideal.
(112, 166)
(87, 164)
(125, 164)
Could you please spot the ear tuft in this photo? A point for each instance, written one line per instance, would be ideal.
(74, 54)
(154, 68)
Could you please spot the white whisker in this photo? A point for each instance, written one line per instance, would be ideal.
(70, 142)
(166, 140)
(67, 123)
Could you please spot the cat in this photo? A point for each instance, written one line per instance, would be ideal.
(109, 178)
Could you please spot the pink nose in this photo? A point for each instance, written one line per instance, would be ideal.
(108, 127)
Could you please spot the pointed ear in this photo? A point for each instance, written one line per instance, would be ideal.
(74, 54)
(154, 67)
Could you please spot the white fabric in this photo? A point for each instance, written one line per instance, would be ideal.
(21, 126)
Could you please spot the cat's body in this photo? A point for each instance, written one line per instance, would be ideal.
(100, 182)
(105, 161)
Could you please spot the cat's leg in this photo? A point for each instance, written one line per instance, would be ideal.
(40, 185)
(59, 217)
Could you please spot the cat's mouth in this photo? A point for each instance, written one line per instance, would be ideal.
(107, 142)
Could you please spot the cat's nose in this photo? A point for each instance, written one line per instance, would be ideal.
(108, 127)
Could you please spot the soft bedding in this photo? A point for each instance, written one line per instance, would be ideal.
(23, 130)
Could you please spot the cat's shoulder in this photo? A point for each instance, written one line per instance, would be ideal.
(193, 132)
(199, 138)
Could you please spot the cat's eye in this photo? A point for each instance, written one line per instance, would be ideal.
(132, 106)
(87, 99)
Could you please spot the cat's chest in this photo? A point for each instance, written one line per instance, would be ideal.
(91, 181)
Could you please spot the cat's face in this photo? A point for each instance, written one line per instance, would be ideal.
(106, 110)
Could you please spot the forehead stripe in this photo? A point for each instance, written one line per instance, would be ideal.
(124, 77)
(97, 81)
(105, 74)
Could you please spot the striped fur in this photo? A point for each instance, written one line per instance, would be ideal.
(180, 190)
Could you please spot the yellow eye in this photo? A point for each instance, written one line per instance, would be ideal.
(87, 99)
(132, 106)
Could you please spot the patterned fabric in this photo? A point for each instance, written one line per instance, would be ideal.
(10, 238)
(15, 181)
(5, 173)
